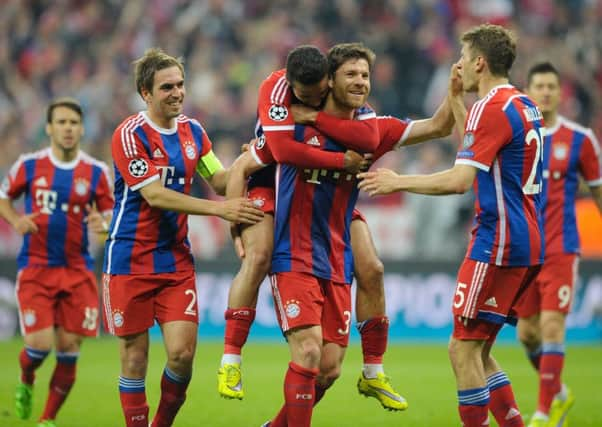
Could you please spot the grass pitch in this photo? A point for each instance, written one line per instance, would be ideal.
(420, 372)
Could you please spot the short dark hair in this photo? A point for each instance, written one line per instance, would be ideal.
(343, 52)
(67, 102)
(541, 68)
(496, 44)
(153, 60)
(306, 64)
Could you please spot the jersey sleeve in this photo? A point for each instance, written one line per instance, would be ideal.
(261, 152)
(393, 133)
(104, 192)
(590, 160)
(131, 159)
(485, 132)
(278, 128)
(208, 163)
(359, 134)
(15, 183)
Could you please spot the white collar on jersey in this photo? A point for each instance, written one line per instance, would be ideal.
(63, 165)
(552, 130)
(158, 128)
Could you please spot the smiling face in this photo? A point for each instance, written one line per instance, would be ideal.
(165, 100)
(65, 129)
(350, 85)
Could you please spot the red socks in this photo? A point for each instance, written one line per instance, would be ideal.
(473, 406)
(550, 370)
(374, 333)
(30, 360)
(173, 395)
(502, 403)
(238, 324)
(61, 382)
(133, 402)
(299, 397)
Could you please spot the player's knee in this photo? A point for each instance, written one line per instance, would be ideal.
(69, 345)
(553, 330)
(259, 260)
(528, 338)
(528, 334)
(371, 274)
(181, 356)
(310, 353)
(461, 354)
(329, 374)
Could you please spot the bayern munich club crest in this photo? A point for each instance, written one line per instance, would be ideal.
(561, 151)
(118, 319)
(29, 317)
(138, 168)
(81, 186)
(259, 202)
(190, 150)
(292, 309)
(278, 112)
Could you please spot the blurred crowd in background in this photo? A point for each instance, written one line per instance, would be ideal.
(85, 49)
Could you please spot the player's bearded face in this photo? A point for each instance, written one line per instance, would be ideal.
(167, 98)
(66, 128)
(544, 88)
(351, 84)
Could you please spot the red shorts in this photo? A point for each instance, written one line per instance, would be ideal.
(488, 292)
(263, 198)
(553, 287)
(475, 329)
(57, 296)
(358, 215)
(304, 300)
(133, 302)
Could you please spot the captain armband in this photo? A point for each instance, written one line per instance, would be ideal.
(208, 165)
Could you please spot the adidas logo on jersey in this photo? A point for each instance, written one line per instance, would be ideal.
(491, 302)
(157, 154)
(41, 182)
(313, 141)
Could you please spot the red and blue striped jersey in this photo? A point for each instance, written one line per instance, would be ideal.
(275, 123)
(503, 139)
(569, 150)
(60, 192)
(143, 239)
(314, 206)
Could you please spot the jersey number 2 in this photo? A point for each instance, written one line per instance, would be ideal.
(534, 135)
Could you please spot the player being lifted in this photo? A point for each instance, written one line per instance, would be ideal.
(501, 155)
(304, 82)
(312, 263)
(569, 150)
(64, 190)
(149, 270)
